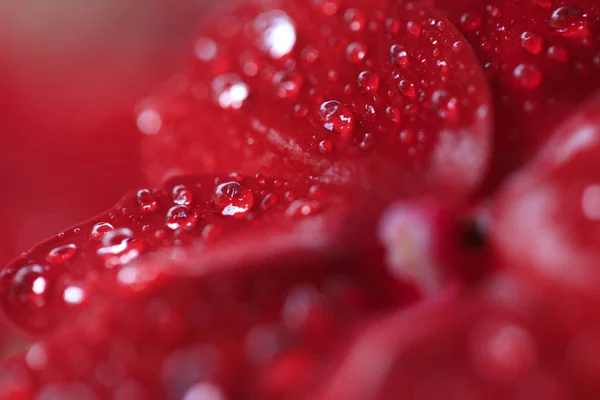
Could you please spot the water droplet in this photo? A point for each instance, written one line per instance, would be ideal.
(206, 49)
(181, 216)
(328, 7)
(532, 42)
(149, 122)
(458, 46)
(393, 114)
(470, 21)
(276, 33)
(204, 391)
(303, 208)
(74, 295)
(287, 84)
(336, 118)
(527, 76)
(413, 28)
(119, 246)
(61, 254)
(29, 286)
(545, 4)
(557, 53)
(368, 82)
(310, 54)
(407, 137)
(100, 229)
(231, 198)
(356, 52)
(355, 19)
(407, 88)
(590, 202)
(447, 106)
(146, 200)
(368, 141)
(325, 146)
(398, 56)
(182, 195)
(269, 201)
(570, 22)
(230, 91)
(300, 110)
(392, 25)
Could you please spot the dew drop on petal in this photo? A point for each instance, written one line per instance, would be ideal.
(328, 7)
(182, 195)
(368, 82)
(470, 21)
(232, 198)
(303, 208)
(61, 254)
(287, 84)
(276, 33)
(527, 76)
(204, 391)
(146, 200)
(181, 216)
(569, 22)
(355, 19)
(335, 117)
(230, 92)
(532, 43)
(356, 52)
(29, 285)
(100, 229)
(149, 122)
(398, 55)
(206, 49)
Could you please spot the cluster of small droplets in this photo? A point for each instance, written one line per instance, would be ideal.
(189, 208)
(354, 107)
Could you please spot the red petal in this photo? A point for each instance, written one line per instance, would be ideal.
(378, 94)
(542, 59)
(209, 214)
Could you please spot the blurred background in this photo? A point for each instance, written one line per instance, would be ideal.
(71, 72)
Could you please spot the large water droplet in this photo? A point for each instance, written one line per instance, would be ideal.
(146, 200)
(182, 195)
(29, 286)
(116, 241)
(408, 89)
(398, 55)
(230, 91)
(232, 198)
(470, 21)
(527, 76)
(276, 33)
(181, 216)
(61, 254)
(368, 82)
(570, 22)
(336, 118)
(356, 52)
(355, 19)
(303, 208)
(119, 247)
(206, 49)
(328, 7)
(149, 122)
(100, 229)
(557, 53)
(287, 84)
(532, 42)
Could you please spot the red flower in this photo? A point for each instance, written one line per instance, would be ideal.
(352, 233)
